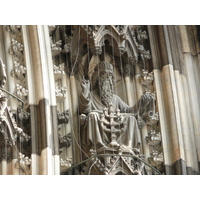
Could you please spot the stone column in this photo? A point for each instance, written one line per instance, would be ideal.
(168, 106)
(31, 100)
(172, 104)
(46, 131)
(179, 76)
(192, 87)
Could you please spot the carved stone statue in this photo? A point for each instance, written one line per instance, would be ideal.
(107, 121)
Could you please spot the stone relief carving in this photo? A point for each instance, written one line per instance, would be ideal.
(110, 123)
(61, 94)
(152, 121)
(14, 29)
(153, 137)
(91, 29)
(112, 115)
(55, 47)
(117, 163)
(8, 125)
(65, 141)
(142, 35)
(3, 98)
(22, 114)
(65, 164)
(23, 137)
(18, 71)
(3, 105)
(67, 45)
(59, 71)
(139, 37)
(156, 159)
(23, 163)
(120, 51)
(146, 78)
(120, 28)
(20, 91)
(97, 50)
(63, 118)
(16, 48)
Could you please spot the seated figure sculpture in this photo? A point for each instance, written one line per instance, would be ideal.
(109, 122)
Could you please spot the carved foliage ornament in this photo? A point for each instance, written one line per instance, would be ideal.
(16, 48)
(59, 71)
(55, 47)
(18, 71)
(14, 29)
(61, 93)
(23, 163)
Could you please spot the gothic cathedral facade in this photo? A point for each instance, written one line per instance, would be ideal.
(99, 100)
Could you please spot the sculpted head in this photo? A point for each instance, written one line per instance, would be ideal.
(103, 79)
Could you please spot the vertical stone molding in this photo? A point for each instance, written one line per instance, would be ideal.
(99, 100)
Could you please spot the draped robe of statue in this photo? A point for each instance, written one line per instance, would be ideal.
(92, 134)
(95, 137)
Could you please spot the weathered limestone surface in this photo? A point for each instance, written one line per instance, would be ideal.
(99, 99)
